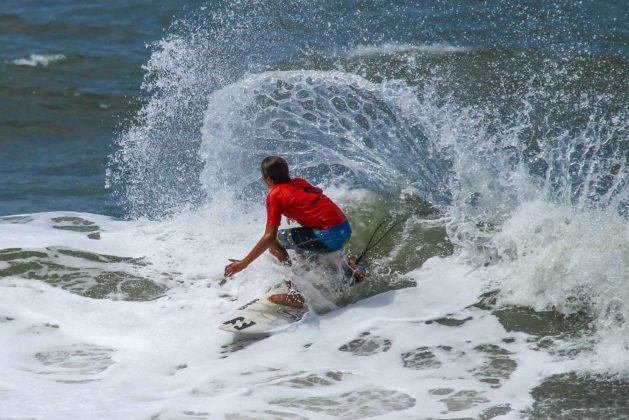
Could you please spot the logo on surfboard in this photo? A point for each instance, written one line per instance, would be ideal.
(240, 323)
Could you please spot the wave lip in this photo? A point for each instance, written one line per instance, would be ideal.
(38, 60)
(333, 128)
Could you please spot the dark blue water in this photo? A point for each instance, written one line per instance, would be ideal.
(58, 119)
(61, 115)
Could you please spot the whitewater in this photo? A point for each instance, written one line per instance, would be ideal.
(413, 352)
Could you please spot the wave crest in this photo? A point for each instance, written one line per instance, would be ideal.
(332, 127)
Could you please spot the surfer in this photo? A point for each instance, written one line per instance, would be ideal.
(324, 226)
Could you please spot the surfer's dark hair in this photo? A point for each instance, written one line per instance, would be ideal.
(275, 168)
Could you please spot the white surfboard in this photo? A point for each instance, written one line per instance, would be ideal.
(260, 316)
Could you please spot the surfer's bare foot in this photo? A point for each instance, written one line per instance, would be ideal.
(292, 299)
(358, 272)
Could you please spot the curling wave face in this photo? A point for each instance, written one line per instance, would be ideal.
(333, 127)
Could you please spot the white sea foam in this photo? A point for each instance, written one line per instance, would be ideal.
(386, 355)
(553, 257)
(38, 60)
(417, 352)
(395, 48)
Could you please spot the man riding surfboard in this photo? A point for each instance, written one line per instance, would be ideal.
(324, 226)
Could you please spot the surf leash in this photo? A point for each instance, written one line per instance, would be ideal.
(371, 246)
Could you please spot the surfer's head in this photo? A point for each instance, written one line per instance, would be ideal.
(275, 169)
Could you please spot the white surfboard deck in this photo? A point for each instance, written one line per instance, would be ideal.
(260, 316)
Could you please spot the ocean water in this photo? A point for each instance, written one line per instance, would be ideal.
(491, 137)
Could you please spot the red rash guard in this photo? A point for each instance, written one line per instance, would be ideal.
(300, 201)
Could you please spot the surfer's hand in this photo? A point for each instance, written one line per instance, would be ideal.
(234, 267)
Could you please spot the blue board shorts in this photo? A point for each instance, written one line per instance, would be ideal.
(318, 240)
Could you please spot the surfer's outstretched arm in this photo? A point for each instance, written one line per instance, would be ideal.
(268, 241)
